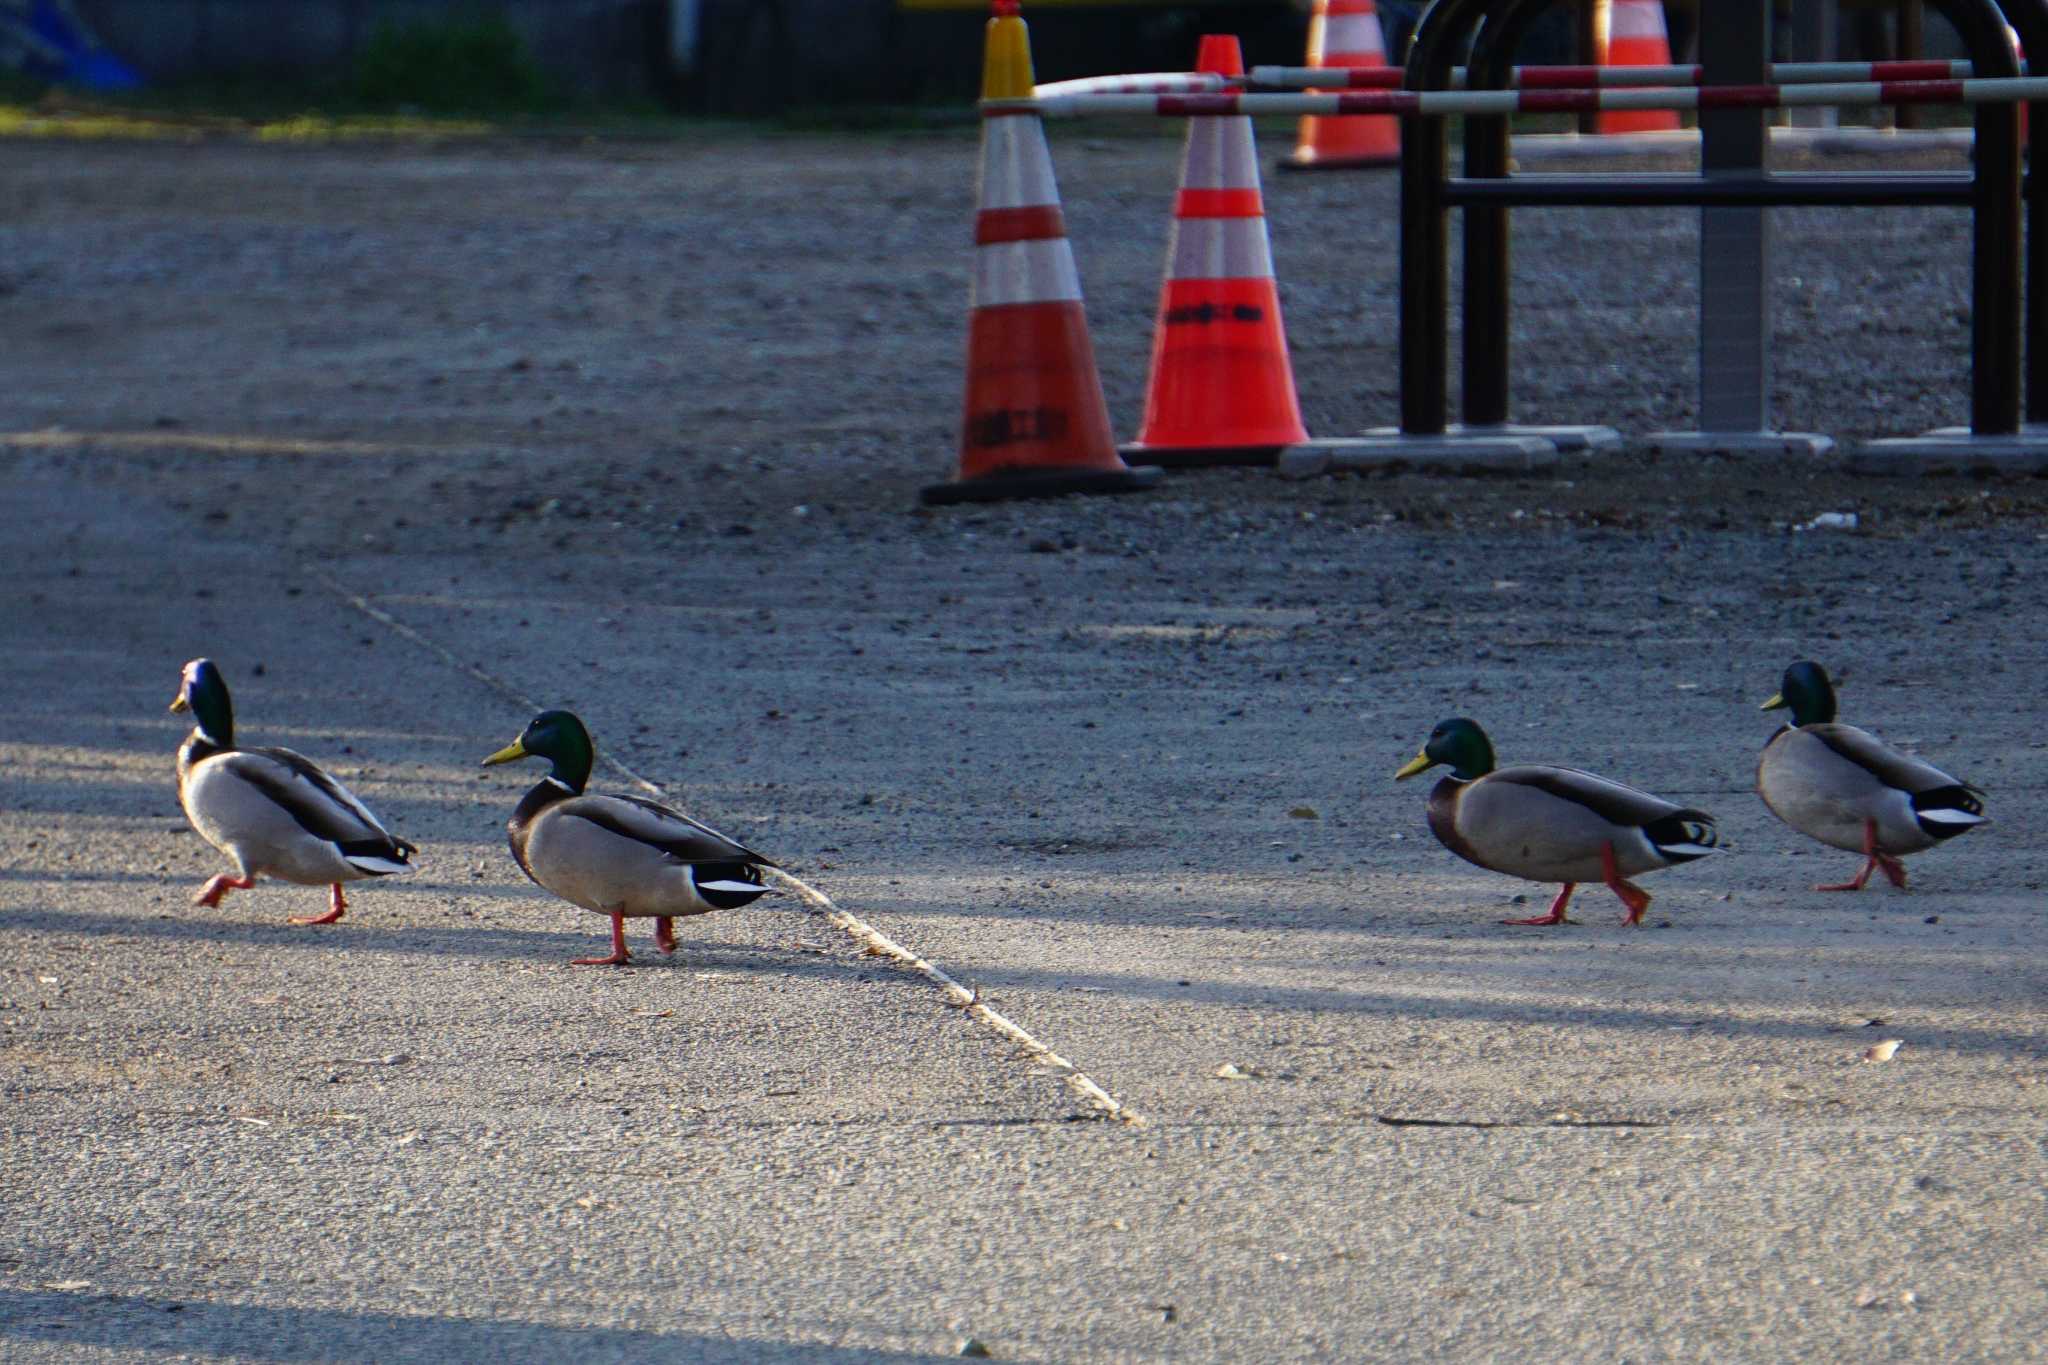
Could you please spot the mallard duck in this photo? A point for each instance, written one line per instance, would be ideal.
(1553, 824)
(273, 812)
(1851, 790)
(622, 856)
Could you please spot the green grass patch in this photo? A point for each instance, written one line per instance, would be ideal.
(452, 66)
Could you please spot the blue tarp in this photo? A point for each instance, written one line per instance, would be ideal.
(47, 40)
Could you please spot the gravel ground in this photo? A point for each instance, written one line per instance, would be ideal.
(409, 436)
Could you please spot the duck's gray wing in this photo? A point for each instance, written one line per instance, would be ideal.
(1899, 771)
(316, 801)
(1615, 802)
(663, 827)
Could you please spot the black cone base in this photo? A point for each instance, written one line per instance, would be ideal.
(1203, 457)
(1048, 483)
(1342, 163)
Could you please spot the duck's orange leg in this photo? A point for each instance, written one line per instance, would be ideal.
(1556, 915)
(1873, 861)
(336, 908)
(1634, 897)
(216, 888)
(619, 958)
(665, 933)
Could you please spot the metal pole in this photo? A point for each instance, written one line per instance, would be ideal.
(1592, 27)
(1486, 301)
(1735, 243)
(1425, 280)
(1996, 307)
(1912, 42)
(2030, 19)
(1425, 234)
(1815, 24)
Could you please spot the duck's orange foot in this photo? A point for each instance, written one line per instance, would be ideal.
(216, 888)
(337, 907)
(1855, 884)
(1556, 915)
(1873, 861)
(1632, 896)
(619, 958)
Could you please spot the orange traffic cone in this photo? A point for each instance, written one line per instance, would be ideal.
(1221, 389)
(1036, 423)
(1634, 36)
(1346, 33)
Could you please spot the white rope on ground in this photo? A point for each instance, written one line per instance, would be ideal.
(822, 905)
(875, 941)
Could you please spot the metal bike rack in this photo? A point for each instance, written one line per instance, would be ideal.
(1732, 190)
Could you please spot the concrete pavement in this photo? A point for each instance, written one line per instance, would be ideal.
(419, 1134)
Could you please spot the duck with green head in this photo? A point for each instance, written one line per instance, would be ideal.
(274, 812)
(1553, 824)
(1851, 790)
(622, 856)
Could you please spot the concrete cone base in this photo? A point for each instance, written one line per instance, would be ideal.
(1794, 443)
(1047, 483)
(1448, 454)
(1566, 440)
(1953, 450)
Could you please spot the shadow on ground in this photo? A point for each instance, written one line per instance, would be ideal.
(125, 1322)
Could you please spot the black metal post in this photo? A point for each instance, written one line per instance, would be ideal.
(1440, 36)
(2029, 19)
(1910, 44)
(1487, 266)
(1489, 262)
(1996, 265)
(1735, 242)
(1586, 32)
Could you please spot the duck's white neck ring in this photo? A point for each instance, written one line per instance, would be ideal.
(205, 738)
(558, 782)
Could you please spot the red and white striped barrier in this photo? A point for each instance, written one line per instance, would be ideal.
(1143, 83)
(1446, 102)
(1593, 77)
(1520, 78)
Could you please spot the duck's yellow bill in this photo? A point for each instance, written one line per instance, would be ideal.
(1417, 764)
(505, 755)
(1777, 700)
(178, 703)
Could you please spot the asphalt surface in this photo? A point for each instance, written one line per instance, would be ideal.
(1123, 768)
(419, 1133)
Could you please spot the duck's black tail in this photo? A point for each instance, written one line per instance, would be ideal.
(1682, 837)
(727, 886)
(1946, 812)
(378, 857)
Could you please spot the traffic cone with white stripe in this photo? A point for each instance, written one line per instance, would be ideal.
(1346, 33)
(1036, 423)
(1634, 35)
(1221, 389)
